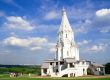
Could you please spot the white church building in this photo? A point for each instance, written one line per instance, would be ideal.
(67, 61)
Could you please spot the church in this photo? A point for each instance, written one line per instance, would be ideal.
(67, 62)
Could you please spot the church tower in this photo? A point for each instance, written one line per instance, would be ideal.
(66, 46)
(67, 60)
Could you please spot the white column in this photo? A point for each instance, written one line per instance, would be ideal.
(68, 65)
(104, 70)
(85, 72)
(42, 72)
(59, 67)
(68, 75)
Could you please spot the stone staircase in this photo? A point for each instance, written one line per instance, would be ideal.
(66, 72)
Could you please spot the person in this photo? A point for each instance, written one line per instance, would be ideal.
(29, 74)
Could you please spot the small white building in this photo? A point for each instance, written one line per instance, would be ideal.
(67, 61)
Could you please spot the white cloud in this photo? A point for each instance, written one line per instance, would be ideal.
(80, 30)
(13, 34)
(103, 12)
(100, 22)
(102, 17)
(14, 41)
(15, 22)
(34, 43)
(98, 48)
(105, 29)
(53, 49)
(103, 20)
(4, 51)
(84, 42)
(52, 44)
(36, 48)
(51, 15)
(83, 27)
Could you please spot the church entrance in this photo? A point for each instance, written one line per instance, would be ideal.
(45, 71)
(72, 75)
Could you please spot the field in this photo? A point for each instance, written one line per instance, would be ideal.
(33, 77)
(34, 70)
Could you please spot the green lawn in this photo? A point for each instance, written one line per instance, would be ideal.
(26, 77)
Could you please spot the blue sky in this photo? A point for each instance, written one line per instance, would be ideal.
(28, 29)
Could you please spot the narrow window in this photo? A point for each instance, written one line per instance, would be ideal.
(51, 63)
(83, 70)
(83, 62)
(67, 53)
(66, 35)
(56, 63)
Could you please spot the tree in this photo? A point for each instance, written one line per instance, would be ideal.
(107, 68)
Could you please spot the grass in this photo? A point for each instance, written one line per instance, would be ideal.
(33, 77)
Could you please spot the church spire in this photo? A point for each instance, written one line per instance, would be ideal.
(65, 25)
(65, 28)
(66, 47)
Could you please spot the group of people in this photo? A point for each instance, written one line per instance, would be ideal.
(13, 74)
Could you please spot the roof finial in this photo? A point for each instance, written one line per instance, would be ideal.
(63, 9)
